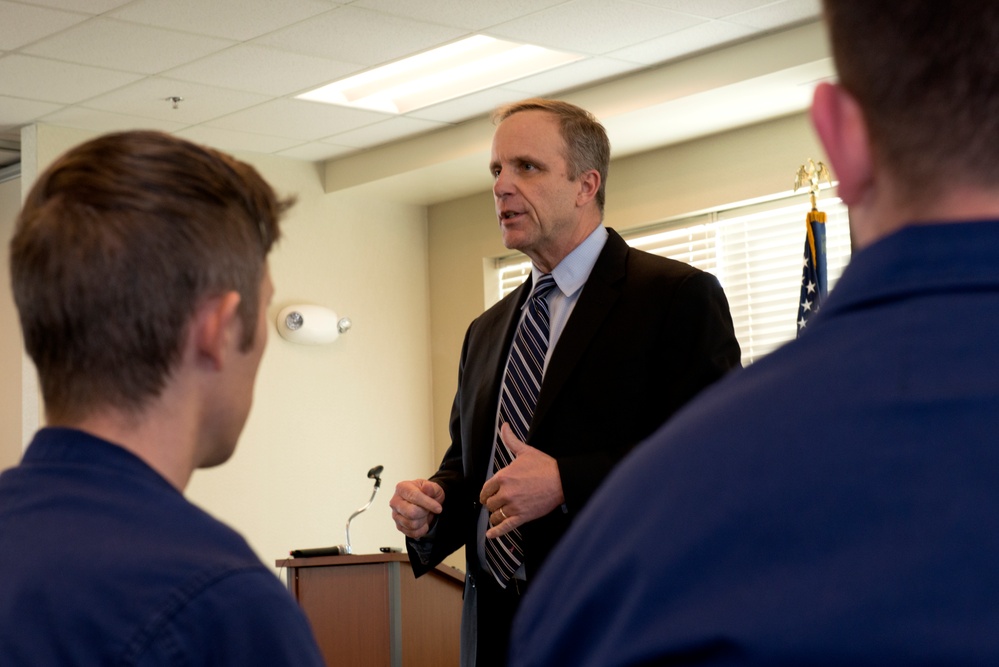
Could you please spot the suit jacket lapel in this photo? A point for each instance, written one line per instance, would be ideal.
(601, 291)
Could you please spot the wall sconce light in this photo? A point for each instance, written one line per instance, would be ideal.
(310, 325)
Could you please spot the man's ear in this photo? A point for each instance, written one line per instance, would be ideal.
(215, 324)
(841, 127)
(589, 185)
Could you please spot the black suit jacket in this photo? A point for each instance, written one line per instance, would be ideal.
(645, 336)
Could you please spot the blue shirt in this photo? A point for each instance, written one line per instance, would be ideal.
(103, 562)
(835, 503)
(570, 276)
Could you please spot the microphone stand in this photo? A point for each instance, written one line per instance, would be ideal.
(374, 474)
(341, 549)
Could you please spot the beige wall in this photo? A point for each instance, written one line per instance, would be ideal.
(641, 190)
(324, 415)
(10, 335)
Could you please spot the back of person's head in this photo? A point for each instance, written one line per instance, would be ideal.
(926, 75)
(587, 145)
(117, 244)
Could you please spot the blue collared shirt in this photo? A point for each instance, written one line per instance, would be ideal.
(103, 562)
(570, 276)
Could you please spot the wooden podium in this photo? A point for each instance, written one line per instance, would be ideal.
(371, 610)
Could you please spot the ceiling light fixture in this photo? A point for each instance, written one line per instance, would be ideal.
(453, 70)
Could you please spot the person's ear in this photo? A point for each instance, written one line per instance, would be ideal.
(589, 185)
(839, 122)
(216, 326)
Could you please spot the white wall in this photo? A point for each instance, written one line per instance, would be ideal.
(10, 335)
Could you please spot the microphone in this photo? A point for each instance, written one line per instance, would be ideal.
(375, 474)
(342, 549)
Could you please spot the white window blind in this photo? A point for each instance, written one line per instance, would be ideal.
(754, 250)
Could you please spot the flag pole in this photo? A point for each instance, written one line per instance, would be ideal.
(813, 278)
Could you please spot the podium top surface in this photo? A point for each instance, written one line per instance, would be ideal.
(362, 559)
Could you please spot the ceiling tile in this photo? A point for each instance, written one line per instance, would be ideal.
(105, 121)
(14, 111)
(230, 140)
(467, 14)
(469, 106)
(23, 24)
(52, 81)
(229, 59)
(594, 26)
(262, 69)
(353, 34)
(84, 6)
(712, 9)
(231, 19)
(148, 99)
(384, 131)
(127, 46)
(297, 120)
(684, 42)
(779, 14)
(572, 75)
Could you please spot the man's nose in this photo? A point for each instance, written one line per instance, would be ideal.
(502, 184)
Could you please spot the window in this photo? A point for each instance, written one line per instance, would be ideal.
(755, 250)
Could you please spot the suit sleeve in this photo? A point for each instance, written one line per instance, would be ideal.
(704, 330)
(448, 530)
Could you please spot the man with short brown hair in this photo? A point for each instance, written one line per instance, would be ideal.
(139, 270)
(627, 338)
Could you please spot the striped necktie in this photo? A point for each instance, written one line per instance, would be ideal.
(518, 398)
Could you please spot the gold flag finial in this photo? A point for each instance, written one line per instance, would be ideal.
(812, 174)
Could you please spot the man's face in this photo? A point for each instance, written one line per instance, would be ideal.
(239, 384)
(536, 202)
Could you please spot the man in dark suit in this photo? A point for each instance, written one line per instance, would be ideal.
(630, 338)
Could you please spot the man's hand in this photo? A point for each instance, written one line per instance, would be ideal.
(525, 490)
(414, 505)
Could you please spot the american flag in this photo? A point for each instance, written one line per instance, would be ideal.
(813, 270)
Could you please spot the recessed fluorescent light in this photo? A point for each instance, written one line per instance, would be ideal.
(457, 69)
